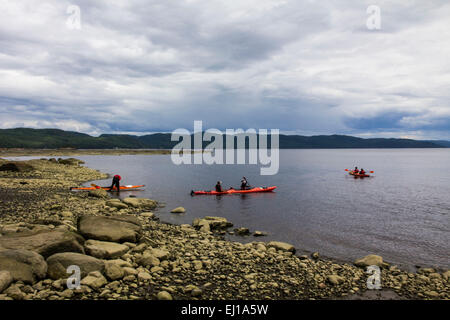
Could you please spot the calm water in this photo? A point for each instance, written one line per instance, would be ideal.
(402, 213)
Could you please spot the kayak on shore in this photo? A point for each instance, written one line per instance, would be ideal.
(233, 191)
(128, 187)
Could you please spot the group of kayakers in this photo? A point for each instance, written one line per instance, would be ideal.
(244, 185)
(357, 171)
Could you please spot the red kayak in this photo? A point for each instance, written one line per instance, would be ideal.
(232, 191)
(129, 187)
(358, 175)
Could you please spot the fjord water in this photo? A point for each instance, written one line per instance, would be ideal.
(401, 213)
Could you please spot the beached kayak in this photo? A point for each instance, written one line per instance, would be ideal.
(233, 191)
(128, 187)
(358, 175)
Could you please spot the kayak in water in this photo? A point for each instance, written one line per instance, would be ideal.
(233, 191)
(129, 187)
(358, 175)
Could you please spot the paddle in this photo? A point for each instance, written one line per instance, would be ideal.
(349, 170)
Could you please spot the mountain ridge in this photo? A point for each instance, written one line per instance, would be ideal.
(57, 138)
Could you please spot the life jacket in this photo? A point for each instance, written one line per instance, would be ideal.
(117, 177)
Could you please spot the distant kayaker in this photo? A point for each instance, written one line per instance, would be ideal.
(244, 183)
(362, 172)
(356, 170)
(219, 186)
(116, 182)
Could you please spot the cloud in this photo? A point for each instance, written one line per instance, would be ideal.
(309, 67)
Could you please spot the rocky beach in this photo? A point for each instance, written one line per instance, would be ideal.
(125, 252)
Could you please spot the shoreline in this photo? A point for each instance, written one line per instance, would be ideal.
(192, 262)
(19, 152)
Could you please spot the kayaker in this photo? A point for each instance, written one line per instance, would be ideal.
(219, 186)
(116, 182)
(362, 172)
(356, 170)
(244, 183)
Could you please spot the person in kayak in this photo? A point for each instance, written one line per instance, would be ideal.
(356, 170)
(219, 186)
(116, 182)
(362, 172)
(244, 183)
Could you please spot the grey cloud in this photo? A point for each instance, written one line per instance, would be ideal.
(308, 66)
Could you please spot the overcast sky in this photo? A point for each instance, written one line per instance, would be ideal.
(305, 67)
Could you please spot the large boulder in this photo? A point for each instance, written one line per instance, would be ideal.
(116, 229)
(215, 223)
(5, 280)
(140, 203)
(370, 260)
(16, 167)
(105, 249)
(44, 242)
(23, 265)
(178, 210)
(58, 264)
(281, 246)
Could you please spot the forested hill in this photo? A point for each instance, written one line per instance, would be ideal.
(55, 138)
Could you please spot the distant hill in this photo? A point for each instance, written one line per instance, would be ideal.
(55, 138)
(441, 143)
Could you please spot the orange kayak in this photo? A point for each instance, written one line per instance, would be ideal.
(129, 187)
(232, 191)
(358, 175)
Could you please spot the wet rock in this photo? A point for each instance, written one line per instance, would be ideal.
(215, 223)
(242, 231)
(114, 229)
(58, 264)
(105, 249)
(140, 203)
(178, 210)
(281, 246)
(315, 255)
(23, 265)
(259, 234)
(44, 242)
(370, 260)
